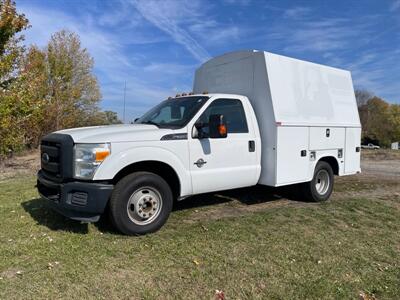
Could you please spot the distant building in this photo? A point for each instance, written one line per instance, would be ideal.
(396, 146)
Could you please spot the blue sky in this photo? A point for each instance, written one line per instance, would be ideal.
(155, 46)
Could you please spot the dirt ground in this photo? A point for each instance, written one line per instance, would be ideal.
(24, 164)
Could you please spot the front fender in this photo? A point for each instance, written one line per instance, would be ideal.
(116, 162)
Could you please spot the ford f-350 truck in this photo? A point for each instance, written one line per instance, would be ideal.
(254, 118)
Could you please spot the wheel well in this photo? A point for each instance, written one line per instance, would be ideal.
(162, 169)
(332, 162)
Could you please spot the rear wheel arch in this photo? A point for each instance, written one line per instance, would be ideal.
(332, 161)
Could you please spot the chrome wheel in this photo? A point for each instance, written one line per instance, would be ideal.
(322, 182)
(144, 205)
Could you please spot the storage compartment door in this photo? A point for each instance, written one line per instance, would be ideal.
(292, 155)
(351, 156)
(326, 138)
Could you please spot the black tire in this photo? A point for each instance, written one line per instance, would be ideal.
(123, 218)
(310, 190)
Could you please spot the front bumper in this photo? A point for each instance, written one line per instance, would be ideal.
(82, 201)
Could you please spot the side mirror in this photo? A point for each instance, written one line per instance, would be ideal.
(217, 126)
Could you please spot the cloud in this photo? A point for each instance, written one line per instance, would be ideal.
(237, 2)
(356, 43)
(213, 33)
(105, 47)
(168, 17)
(317, 35)
(296, 12)
(168, 68)
(395, 5)
(147, 83)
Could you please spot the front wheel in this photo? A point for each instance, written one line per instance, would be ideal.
(320, 187)
(141, 203)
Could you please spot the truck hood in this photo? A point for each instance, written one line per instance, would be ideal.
(116, 133)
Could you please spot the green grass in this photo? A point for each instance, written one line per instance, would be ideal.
(331, 250)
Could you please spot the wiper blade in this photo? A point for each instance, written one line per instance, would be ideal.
(150, 123)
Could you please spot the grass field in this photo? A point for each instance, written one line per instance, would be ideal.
(251, 243)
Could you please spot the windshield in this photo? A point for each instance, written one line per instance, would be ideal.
(173, 113)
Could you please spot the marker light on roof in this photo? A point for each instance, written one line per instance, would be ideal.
(177, 95)
(184, 94)
(191, 93)
(205, 93)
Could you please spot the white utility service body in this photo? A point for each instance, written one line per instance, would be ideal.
(264, 119)
(296, 104)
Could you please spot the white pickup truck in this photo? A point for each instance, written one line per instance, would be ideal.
(370, 146)
(254, 118)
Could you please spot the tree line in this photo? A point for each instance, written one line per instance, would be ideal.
(380, 120)
(43, 89)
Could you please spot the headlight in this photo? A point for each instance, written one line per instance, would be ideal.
(87, 157)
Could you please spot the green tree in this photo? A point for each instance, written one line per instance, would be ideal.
(378, 123)
(12, 110)
(11, 50)
(394, 118)
(33, 94)
(43, 90)
(111, 117)
(73, 89)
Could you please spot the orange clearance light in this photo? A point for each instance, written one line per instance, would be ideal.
(101, 155)
(222, 129)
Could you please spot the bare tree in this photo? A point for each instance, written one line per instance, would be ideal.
(362, 97)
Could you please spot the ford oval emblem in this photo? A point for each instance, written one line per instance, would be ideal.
(45, 158)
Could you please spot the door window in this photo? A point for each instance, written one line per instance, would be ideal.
(233, 112)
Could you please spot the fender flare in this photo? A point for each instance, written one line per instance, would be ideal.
(325, 155)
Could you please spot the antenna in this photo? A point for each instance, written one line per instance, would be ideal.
(124, 99)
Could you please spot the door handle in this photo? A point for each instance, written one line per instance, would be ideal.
(200, 162)
(252, 146)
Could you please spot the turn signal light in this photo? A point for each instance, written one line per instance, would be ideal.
(101, 155)
(222, 129)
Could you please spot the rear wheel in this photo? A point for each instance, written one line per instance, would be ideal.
(141, 203)
(321, 186)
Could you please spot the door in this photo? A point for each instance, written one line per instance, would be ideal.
(224, 163)
(352, 151)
